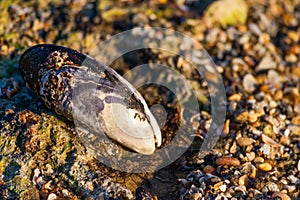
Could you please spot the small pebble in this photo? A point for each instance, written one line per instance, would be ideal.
(266, 63)
(281, 195)
(250, 156)
(235, 97)
(249, 83)
(244, 141)
(244, 180)
(266, 167)
(242, 117)
(208, 169)
(228, 161)
(223, 188)
(52, 196)
(65, 192)
(259, 160)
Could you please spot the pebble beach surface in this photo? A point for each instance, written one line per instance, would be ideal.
(258, 55)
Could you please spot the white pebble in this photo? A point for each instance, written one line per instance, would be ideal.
(266, 149)
(52, 196)
(223, 188)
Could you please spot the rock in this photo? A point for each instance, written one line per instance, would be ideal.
(266, 63)
(266, 167)
(223, 188)
(235, 97)
(278, 95)
(269, 141)
(259, 160)
(254, 28)
(252, 118)
(249, 83)
(226, 128)
(234, 148)
(281, 195)
(273, 77)
(244, 141)
(244, 180)
(226, 12)
(242, 117)
(230, 161)
(208, 169)
(264, 38)
(52, 196)
(250, 156)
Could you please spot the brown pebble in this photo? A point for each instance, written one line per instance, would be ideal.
(235, 97)
(252, 117)
(217, 185)
(9, 111)
(228, 161)
(197, 196)
(226, 128)
(266, 167)
(244, 141)
(264, 38)
(252, 174)
(208, 169)
(242, 117)
(278, 95)
(244, 180)
(264, 88)
(259, 160)
(282, 195)
(285, 140)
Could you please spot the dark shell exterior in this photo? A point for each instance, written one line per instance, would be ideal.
(84, 90)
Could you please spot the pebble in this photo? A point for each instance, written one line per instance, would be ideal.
(281, 195)
(290, 188)
(249, 83)
(230, 161)
(278, 95)
(223, 188)
(298, 165)
(52, 196)
(285, 140)
(244, 180)
(245, 141)
(259, 159)
(226, 128)
(250, 156)
(242, 117)
(264, 38)
(252, 117)
(293, 179)
(234, 148)
(217, 185)
(235, 97)
(266, 167)
(65, 192)
(208, 169)
(273, 77)
(266, 63)
(254, 28)
(271, 187)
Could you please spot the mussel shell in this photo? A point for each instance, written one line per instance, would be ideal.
(57, 73)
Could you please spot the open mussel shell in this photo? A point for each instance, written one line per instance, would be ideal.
(92, 94)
